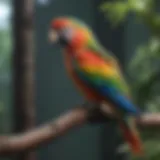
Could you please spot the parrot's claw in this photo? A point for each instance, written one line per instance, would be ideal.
(123, 148)
(96, 115)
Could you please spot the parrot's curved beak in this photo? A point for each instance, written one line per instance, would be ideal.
(53, 36)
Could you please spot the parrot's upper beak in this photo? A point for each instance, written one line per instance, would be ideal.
(53, 36)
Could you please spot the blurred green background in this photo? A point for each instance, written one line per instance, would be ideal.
(130, 29)
(5, 66)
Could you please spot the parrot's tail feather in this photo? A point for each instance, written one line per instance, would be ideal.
(131, 135)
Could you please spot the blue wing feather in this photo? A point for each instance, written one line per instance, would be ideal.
(110, 93)
(119, 100)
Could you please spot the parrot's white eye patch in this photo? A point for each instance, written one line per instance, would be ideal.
(67, 33)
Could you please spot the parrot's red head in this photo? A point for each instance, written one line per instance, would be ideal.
(69, 32)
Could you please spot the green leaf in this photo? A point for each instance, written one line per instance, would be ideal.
(116, 12)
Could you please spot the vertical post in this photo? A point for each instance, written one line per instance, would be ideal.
(23, 69)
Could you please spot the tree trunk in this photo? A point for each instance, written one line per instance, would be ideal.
(23, 69)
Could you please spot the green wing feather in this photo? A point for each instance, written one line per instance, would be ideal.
(97, 79)
(110, 87)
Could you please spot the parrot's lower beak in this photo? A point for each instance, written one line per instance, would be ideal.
(53, 36)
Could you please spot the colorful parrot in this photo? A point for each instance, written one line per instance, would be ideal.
(96, 73)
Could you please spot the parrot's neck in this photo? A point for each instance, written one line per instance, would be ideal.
(71, 51)
(93, 45)
(96, 46)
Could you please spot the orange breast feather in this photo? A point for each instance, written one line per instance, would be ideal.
(89, 93)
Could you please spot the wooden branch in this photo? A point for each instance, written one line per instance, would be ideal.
(150, 120)
(32, 139)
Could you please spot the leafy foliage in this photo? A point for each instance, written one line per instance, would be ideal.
(145, 65)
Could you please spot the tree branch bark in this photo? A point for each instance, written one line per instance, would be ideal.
(76, 117)
(23, 63)
(150, 120)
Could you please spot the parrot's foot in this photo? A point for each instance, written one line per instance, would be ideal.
(123, 148)
(96, 115)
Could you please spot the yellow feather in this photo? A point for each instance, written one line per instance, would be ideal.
(104, 70)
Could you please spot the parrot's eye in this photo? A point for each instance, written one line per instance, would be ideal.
(65, 35)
